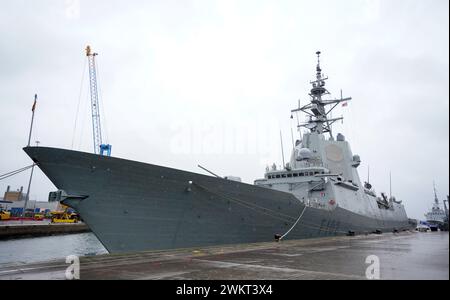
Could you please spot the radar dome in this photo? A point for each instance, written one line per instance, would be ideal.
(304, 153)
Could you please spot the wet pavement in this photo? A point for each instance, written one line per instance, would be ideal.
(406, 255)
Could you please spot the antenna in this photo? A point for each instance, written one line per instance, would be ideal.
(208, 171)
(320, 110)
(318, 69)
(390, 185)
(368, 173)
(298, 122)
(435, 195)
(292, 137)
(282, 151)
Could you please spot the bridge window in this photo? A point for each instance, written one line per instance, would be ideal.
(278, 176)
(301, 174)
(295, 174)
(284, 175)
(289, 175)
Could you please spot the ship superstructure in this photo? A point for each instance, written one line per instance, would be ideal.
(322, 171)
(437, 216)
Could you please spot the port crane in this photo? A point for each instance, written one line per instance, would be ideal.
(99, 147)
(446, 209)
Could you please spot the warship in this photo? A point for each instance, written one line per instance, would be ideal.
(135, 206)
(436, 218)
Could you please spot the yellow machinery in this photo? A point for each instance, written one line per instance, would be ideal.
(39, 217)
(4, 215)
(64, 216)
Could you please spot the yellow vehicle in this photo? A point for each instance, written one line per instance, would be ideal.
(38, 217)
(5, 215)
(64, 217)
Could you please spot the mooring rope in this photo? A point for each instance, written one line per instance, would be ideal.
(12, 173)
(273, 214)
(301, 215)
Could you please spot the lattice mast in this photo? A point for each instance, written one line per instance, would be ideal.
(99, 147)
(317, 108)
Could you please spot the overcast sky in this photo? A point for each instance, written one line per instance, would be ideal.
(213, 82)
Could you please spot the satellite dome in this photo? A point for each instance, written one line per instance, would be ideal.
(304, 153)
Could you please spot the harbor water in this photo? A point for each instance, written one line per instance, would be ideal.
(39, 249)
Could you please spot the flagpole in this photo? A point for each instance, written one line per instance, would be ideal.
(32, 119)
(27, 198)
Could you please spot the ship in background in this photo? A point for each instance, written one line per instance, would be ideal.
(437, 217)
(134, 206)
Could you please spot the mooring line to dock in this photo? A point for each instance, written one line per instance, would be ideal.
(301, 215)
(12, 173)
(269, 212)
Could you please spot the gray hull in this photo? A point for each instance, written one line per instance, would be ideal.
(133, 206)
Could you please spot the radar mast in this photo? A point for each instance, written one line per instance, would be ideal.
(319, 121)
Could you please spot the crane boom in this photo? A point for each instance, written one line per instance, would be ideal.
(99, 147)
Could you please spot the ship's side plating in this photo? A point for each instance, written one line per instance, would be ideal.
(133, 206)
